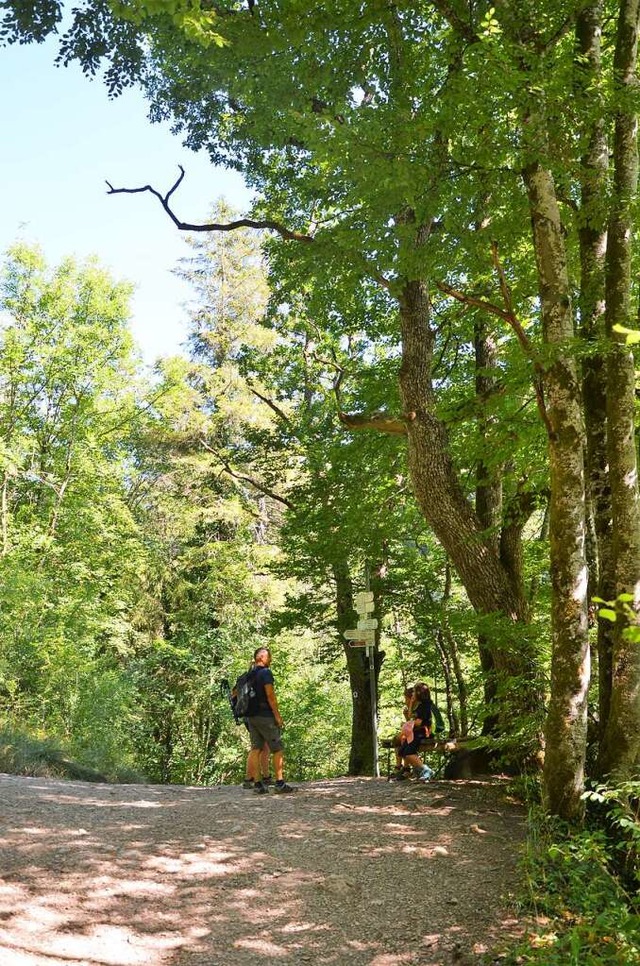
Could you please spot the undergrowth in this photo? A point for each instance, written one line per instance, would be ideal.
(582, 886)
(22, 753)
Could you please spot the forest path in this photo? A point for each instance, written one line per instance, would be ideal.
(345, 871)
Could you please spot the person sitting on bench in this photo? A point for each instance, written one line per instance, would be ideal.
(418, 727)
(406, 731)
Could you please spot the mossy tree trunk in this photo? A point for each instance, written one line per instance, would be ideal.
(592, 235)
(620, 749)
(566, 727)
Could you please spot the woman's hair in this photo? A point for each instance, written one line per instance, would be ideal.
(408, 692)
(259, 650)
(422, 691)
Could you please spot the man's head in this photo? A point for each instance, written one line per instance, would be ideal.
(262, 657)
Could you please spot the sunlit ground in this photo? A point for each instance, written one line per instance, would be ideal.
(348, 871)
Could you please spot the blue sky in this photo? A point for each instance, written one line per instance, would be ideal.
(62, 138)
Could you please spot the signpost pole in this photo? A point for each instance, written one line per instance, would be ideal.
(372, 686)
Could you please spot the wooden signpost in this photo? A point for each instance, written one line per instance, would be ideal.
(358, 634)
(368, 624)
(364, 635)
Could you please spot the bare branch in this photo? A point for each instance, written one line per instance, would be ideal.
(379, 422)
(268, 225)
(509, 316)
(524, 340)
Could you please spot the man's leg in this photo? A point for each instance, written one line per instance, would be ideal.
(278, 765)
(264, 760)
(253, 764)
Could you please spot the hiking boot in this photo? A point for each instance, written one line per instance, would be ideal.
(398, 776)
(260, 788)
(247, 783)
(281, 788)
(268, 780)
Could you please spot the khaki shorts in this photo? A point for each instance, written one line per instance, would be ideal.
(264, 729)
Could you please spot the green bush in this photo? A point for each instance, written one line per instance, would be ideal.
(583, 914)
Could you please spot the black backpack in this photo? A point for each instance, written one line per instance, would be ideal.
(245, 693)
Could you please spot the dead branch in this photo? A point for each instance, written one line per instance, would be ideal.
(267, 224)
(524, 340)
(509, 316)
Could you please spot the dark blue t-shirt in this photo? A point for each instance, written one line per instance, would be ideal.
(259, 706)
(423, 712)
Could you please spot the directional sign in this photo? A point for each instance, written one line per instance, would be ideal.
(369, 624)
(367, 608)
(364, 597)
(356, 634)
(359, 644)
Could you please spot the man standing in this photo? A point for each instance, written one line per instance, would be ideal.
(264, 722)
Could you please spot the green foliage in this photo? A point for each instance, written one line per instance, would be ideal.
(582, 914)
(619, 811)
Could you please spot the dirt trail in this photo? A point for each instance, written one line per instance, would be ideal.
(348, 871)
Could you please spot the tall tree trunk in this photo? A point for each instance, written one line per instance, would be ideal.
(488, 505)
(620, 750)
(566, 727)
(593, 240)
(434, 480)
(361, 752)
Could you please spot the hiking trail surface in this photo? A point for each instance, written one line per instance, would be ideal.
(346, 871)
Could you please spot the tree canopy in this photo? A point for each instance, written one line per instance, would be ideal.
(447, 196)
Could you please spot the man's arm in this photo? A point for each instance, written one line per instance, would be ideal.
(270, 695)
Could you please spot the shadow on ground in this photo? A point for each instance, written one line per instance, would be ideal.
(346, 871)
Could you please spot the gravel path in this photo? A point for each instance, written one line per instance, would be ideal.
(347, 871)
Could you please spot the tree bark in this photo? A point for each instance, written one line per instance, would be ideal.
(434, 480)
(566, 727)
(489, 585)
(620, 750)
(361, 752)
(592, 241)
(488, 508)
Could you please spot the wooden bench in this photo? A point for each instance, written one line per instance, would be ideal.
(434, 745)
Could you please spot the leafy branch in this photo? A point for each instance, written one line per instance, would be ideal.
(508, 315)
(245, 478)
